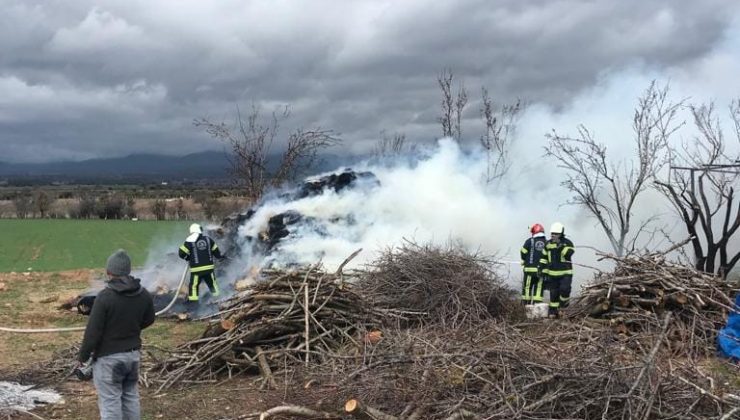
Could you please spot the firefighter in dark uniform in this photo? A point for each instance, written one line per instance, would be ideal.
(531, 254)
(199, 250)
(556, 264)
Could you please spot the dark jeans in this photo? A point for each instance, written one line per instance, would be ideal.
(116, 379)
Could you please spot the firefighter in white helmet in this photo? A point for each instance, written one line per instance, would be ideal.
(557, 265)
(199, 251)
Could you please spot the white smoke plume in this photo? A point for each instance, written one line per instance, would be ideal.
(439, 198)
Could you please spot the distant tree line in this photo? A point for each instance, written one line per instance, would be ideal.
(120, 206)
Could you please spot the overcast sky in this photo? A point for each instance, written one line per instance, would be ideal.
(83, 79)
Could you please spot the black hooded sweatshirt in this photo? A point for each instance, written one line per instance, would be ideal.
(120, 312)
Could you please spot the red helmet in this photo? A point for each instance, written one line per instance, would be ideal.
(537, 228)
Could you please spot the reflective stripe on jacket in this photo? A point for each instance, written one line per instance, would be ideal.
(531, 253)
(556, 258)
(200, 253)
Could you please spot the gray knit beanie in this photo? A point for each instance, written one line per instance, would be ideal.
(119, 264)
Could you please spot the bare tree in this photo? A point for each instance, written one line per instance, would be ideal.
(252, 141)
(301, 153)
(22, 206)
(159, 209)
(701, 188)
(129, 210)
(210, 204)
(390, 146)
(42, 203)
(85, 208)
(609, 188)
(111, 206)
(180, 212)
(500, 124)
(453, 105)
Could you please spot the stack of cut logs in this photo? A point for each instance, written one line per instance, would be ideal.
(642, 288)
(295, 317)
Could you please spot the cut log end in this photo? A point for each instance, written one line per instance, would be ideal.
(361, 411)
(351, 406)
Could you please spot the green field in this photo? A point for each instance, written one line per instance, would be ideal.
(55, 245)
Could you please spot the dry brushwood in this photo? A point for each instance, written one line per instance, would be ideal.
(54, 370)
(534, 371)
(446, 286)
(287, 318)
(641, 288)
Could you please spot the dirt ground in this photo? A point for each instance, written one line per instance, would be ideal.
(33, 300)
(228, 400)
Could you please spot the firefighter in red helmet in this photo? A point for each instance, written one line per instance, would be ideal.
(531, 254)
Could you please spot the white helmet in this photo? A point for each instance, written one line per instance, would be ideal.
(195, 228)
(557, 227)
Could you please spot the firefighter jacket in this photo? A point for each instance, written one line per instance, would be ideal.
(531, 253)
(556, 258)
(200, 253)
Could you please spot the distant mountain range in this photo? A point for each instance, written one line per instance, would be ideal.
(195, 167)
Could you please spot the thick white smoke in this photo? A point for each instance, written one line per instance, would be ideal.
(440, 198)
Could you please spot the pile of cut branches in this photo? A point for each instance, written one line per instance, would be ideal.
(641, 288)
(289, 317)
(535, 371)
(447, 286)
(56, 369)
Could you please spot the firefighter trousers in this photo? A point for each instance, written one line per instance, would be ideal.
(202, 276)
(532, 288)
(560, 291)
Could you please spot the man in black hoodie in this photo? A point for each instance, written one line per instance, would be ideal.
(113, 339)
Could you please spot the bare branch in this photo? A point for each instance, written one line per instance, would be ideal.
(452, 105)
(500, 125)
(700, 187)
(251, 142)
(610, 189)
(390, 146)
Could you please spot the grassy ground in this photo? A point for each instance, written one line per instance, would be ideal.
(33, 300)
(19, 307)
(55, 245)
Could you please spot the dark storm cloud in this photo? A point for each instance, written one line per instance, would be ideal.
(82, 79)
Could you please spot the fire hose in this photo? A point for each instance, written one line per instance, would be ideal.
(174, 295)
(66, 329)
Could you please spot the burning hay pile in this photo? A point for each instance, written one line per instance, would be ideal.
(641, 289)
(289, 317)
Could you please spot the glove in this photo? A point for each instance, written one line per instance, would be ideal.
(83, 371)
